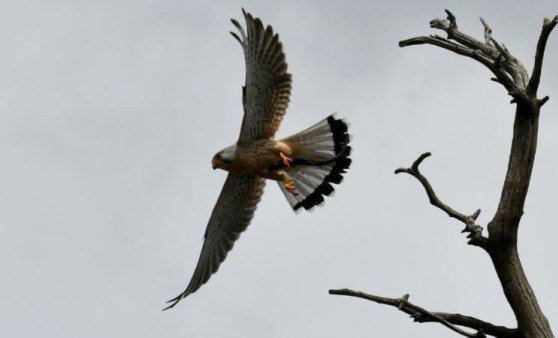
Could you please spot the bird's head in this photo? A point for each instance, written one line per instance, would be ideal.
(224, 158)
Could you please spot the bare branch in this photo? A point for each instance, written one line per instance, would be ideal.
(475, 231)
(508, 70)
(449, 45)
(473, 323)
(533, 85)
(422, 315)
(511, 67)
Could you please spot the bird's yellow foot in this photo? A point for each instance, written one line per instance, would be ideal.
(290, 186)
(286, 160)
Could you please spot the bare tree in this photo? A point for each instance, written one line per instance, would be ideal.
(501, 242)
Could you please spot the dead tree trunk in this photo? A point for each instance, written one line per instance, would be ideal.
(501, 242)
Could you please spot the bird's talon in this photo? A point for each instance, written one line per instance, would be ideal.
(291, 187)
(286, 160)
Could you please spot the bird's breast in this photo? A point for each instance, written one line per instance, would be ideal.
(256, 157)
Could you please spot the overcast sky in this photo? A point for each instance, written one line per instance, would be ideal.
(110, 112)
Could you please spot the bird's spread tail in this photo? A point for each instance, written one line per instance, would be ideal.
(320, 157)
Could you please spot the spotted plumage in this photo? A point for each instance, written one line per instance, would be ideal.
(305, 165)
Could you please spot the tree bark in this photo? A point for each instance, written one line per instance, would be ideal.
(503, 229)
(501, 243)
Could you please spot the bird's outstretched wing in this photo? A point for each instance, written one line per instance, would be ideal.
(268, 84)
(231, 216)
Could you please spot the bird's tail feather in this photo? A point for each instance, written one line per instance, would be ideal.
(320, 157)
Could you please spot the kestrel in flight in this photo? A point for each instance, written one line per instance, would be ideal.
(304, 164)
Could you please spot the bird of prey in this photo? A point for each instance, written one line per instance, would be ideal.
(304, 164)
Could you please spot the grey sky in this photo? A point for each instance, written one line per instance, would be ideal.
(110, 112)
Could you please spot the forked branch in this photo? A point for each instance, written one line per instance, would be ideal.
(508, 70)
(475, 231)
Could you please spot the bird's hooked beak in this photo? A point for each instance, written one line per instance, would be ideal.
(215, 162)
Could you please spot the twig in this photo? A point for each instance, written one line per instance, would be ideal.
(475, 231)
(487, 32)
(452, 20)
